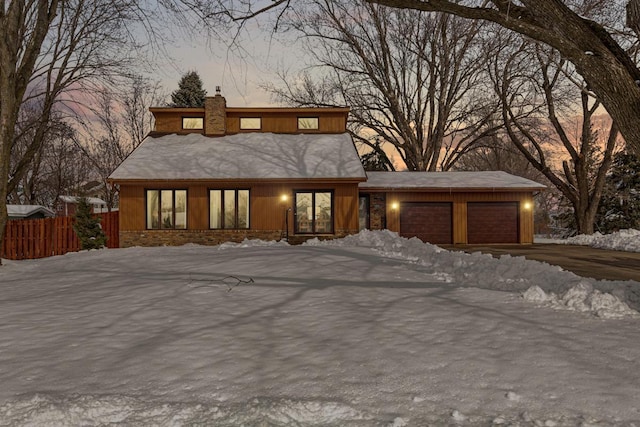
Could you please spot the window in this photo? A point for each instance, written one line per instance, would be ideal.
(314, 212)
(363, 212)
(229, 209)
(308, 123)
(166, 209)
(250, 123)
(192, 123)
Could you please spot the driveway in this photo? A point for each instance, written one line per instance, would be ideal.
(584, 261)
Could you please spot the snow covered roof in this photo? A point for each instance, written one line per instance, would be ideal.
(243, 156)
(74, 199)
(24, 211)
(450, 181)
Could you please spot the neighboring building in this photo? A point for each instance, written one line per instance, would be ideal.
(66, 205)
(215, 174)
(29, 212)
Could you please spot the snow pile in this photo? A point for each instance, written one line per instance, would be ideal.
(583, 298)
(623, 240)
(252, 243)
(507, 273)
(45, 409)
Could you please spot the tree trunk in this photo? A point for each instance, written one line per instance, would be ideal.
(584, 219)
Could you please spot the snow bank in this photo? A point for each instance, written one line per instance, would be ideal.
(252, 243)
(46, 409)
(583, 298)
(623, 240)
(538, 281)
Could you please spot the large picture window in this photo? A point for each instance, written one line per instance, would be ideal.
(166, 209)
(314, 212)
(229, 209)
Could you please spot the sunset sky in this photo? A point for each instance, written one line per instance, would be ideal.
(239, 73)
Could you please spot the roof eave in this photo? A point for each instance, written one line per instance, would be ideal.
(452, 189)
(235, 180)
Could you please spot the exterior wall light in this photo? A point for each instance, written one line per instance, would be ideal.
(284, 198)
(527, 206)
(395, 206)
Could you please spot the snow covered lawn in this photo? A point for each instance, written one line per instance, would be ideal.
(372, 330)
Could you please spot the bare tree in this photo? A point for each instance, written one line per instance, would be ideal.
(50, 49)
(633, 16)
(118, 121)
(535, 75)
(412, 80)
(58, 167)
(608, 70)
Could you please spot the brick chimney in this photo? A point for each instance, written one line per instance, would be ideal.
(215, 114)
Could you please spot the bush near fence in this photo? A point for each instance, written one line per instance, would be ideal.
(40, 238)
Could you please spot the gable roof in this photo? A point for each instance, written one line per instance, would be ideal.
(24, 211)
(448, 181)
(243, 156)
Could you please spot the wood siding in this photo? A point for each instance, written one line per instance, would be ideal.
(287, 122)
(171, 121)
(267, 209)
(459, 201)
(282, 121)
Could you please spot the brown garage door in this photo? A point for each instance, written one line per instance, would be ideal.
(492, 222)
(430, 222)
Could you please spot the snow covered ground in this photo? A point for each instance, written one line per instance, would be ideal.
(370, 330)
(623, 240)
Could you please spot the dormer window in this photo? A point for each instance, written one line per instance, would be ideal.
(308, 123)
(250, 123)
(191, 123)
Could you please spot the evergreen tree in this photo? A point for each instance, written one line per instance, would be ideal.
(620, 205)
(87, 227)
(376, 159)
(190, 92)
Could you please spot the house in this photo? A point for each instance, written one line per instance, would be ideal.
(215, 174)
(29, 212)
(66, 205)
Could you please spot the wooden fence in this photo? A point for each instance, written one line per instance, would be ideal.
(40, 238)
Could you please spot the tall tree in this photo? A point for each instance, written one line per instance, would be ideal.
(118, 121)
(190, 92)
(413, 81)
(620, 206)
(57, 51)
(608, 70)
(48, 49)
(532, 77)
(58, 167)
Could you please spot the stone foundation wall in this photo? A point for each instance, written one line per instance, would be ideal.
(211, 237)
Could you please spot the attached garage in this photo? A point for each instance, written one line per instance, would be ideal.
(431, 222)
(492, 222)
(453, 207)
